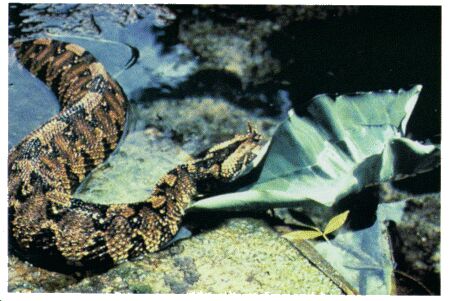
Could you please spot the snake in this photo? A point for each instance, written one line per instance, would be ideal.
(45, 168)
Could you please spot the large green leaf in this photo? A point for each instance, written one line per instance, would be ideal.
(340, 146)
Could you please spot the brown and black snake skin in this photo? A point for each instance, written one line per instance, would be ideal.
(47, 166)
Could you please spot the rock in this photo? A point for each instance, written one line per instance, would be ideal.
(416, 237)
(242, 255)
(25, 278)
(236, 39)
(420, 234)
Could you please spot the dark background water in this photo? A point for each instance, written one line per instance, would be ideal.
(378, 48)
(372, 48)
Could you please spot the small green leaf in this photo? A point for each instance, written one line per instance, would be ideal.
(336, 222)
(302, 235)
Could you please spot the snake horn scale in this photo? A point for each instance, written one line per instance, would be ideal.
(46, 167)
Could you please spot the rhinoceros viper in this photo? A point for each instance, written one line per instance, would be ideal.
(47, 166)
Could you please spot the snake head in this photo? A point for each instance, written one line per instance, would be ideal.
(228, 160)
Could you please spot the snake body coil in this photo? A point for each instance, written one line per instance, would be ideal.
(47, 166)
